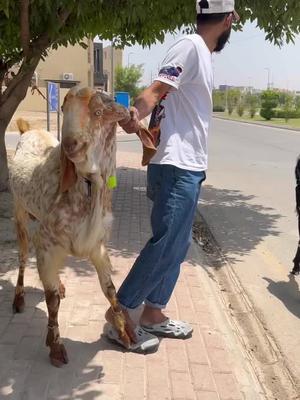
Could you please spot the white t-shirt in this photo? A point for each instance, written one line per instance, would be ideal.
(188, 108)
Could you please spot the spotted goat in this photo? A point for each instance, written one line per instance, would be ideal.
(66, 188)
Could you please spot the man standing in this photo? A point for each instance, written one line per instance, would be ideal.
(181, 101)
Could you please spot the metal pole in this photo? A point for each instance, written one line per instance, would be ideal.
(250, 83)
(268, 69)
(112, 72)
(58, 113)
(226, 96)
(48, 109)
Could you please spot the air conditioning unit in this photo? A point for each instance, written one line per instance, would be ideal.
(68, 76)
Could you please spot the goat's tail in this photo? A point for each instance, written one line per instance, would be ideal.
(23, 125)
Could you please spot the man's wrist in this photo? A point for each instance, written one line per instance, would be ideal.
(135, 111)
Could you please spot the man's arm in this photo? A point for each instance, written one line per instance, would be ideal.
(144, 104)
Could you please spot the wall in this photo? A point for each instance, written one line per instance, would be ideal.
(74, 59)
(35, 102)
(118, 61)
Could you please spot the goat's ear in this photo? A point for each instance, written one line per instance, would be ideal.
(68, 176)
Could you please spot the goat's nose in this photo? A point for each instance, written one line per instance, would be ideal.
(70, 144)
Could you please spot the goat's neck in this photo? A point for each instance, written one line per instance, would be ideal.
(107, 164)
(93, 183)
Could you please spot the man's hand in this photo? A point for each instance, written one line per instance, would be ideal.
(132, 125)
(144, 105)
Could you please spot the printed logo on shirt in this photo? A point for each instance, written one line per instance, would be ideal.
(157, 115)
(170, 72)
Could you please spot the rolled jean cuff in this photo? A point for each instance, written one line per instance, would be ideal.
(125, 308)
(155, 305)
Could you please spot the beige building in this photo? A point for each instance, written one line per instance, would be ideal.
(107, 58)
(70, 66)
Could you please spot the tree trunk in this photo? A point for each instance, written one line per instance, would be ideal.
(3, 161)
(6, 113)
(11, 99)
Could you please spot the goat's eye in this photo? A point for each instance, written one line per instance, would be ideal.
(98, 113)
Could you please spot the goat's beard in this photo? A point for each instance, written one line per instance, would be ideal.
(222, 40)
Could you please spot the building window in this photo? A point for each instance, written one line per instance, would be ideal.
(97, 60)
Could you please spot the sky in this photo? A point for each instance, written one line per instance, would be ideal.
(242, 63)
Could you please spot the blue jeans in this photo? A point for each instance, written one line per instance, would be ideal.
(152, 278)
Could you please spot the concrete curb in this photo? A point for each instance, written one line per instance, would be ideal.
(250, 332)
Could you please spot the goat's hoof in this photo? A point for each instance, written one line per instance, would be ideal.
(58, 355)
(125, 339)
(19, 303)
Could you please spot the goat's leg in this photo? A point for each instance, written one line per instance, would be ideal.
(102, 263)
(61, 290)
(48, 262)
(21, 220)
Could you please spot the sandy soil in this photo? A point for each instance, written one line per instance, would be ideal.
(37, 120)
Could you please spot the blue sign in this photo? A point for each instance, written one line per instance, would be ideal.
(123, 98)
(53, 96)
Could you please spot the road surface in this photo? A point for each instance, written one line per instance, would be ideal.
(248, 202)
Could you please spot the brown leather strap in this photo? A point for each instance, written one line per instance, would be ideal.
(148, 141)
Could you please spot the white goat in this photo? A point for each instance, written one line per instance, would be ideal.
(66, 188)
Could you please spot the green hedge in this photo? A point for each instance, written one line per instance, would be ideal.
(286, 114)
(267, 113)
(219, 109)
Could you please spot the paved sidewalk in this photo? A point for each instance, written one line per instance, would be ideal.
(209, 366)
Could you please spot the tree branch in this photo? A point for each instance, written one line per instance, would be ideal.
(24, 26)
(24, 75)
(3, 70)
(33, 51)
(44, 41)
(63, 15)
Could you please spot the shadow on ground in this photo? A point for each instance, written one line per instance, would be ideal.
(236, 220)
(287, 292)
(25, 370)
(130, 232)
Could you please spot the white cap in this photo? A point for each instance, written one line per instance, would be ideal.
(216, 7)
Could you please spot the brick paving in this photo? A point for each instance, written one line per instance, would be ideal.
(200, 368)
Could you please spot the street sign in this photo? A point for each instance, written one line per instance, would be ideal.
(53, 104)
(53, 96)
